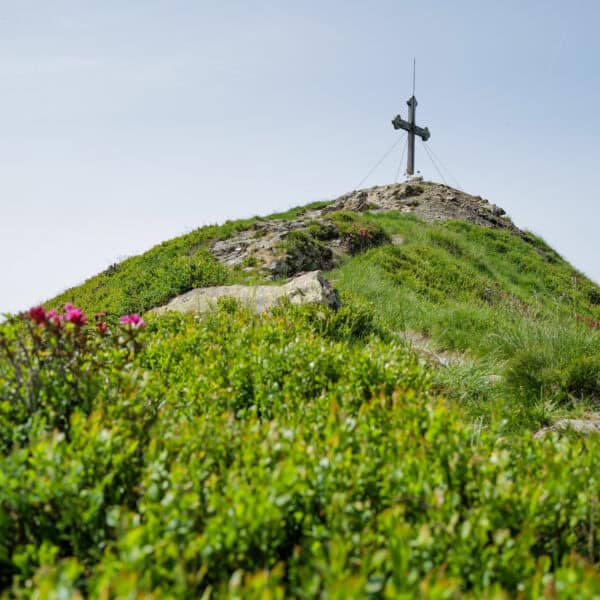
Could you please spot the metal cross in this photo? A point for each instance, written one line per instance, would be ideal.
(399, 123)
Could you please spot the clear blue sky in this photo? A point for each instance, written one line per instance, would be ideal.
(123, 124)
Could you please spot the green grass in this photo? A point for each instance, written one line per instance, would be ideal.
(509, 304)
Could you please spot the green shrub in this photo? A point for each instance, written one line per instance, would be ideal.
(358, 232)
(303, 251)
(291, 458)
(594, 296)
(54, 364)
(531, 374)
(354, 321)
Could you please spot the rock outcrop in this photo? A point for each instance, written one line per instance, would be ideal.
(308, 288)
(429, 201)
(262, 246)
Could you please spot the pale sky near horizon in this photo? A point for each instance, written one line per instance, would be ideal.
(123, 124)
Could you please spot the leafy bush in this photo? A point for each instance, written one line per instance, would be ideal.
(53, 363)
(354, 321)
(290, 459)
(74, 415)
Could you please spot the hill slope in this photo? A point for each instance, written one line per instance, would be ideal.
(442, 270)
(383, 449)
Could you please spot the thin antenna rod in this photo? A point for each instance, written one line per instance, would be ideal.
(414, 74)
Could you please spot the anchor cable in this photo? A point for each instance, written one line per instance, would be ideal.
(401, 159)
(387, 153)
(448, 172)
(434, 163)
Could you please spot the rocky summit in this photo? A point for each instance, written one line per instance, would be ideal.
(430, 201)
(267, 244)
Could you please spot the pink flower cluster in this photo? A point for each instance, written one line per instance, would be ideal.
(101, 326)
(73, 314)
(133, 320)
(39, 315)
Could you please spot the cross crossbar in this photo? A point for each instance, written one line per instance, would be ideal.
(411, 127)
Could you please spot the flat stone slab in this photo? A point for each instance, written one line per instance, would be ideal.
(307, 288)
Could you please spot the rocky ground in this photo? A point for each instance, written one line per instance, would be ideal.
(263, 246)
(429, 201)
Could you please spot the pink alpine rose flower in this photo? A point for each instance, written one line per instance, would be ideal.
(75, 315)
(38, 314)
(133, 319)
(54, 317)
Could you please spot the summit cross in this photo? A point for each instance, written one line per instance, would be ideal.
(411, 127)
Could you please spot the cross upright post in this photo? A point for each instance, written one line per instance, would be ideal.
(411, 127)
(412, 116)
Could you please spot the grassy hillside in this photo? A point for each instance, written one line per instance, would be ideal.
(140, 283)
(308, 452)
(516, 311)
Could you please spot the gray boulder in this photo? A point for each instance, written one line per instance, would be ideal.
(307, 288)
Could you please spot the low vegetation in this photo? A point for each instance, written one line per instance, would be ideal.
(521, 317)
(142, 282)
(307, 452)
